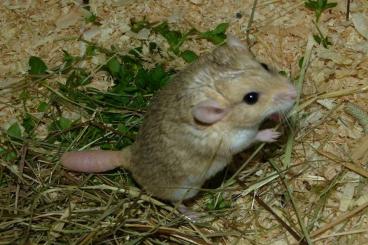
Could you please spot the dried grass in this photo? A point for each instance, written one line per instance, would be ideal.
(317, 191)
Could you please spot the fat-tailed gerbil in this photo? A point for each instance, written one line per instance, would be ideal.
(208, 112)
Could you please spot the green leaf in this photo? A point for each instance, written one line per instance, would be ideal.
(113, 65)
(138, 101)
(221, 28)
(136, 52)
(28, 123)
(174, 38)
(64, 123)
(317, 38)
(189, 56)
(10, 156)
(326, 42)
(79, 77)
(311, 5)
(218, 39)
(24, 95)
(136, 26)
(90, 50)
(216, 36)
(330, 5)
(319, 6)
(217, 202)
(122, 128)
(107, 146)
(42, 106)
(157, 77)
(283, 73)
(162, 28)
(300, 62)
(90, 18)
(318, 14)
(142, 78)
(320, 39)
(14, 130)
(68, 59)
(37, 66)
(321, 3)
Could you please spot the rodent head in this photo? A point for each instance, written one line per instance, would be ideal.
(246, 91)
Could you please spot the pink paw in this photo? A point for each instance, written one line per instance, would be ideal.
(268, 135)
(189, 214)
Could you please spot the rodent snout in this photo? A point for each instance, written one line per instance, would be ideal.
(288, 94)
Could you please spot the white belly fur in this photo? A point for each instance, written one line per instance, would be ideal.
(241, 139)
(237, 141)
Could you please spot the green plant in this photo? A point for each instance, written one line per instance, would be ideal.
(36, 66)
(176, 38)
(61, 110)
(217, 202)
(91, 18)
(120, 108)
(216, 36)
(319, 6)
(321, 39)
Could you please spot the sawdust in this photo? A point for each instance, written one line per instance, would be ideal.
(278, 36)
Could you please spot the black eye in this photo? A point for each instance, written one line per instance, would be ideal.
(265, 66)
(251, 98)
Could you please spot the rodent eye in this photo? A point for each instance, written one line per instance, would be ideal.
(251, 98)
(265, 66)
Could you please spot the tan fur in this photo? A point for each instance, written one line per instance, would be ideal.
(173, 154)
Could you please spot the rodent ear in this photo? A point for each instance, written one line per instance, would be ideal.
(208, 112)
(233, 41)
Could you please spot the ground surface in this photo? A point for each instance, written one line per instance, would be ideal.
(327, 176)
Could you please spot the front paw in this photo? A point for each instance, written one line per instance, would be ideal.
(268, 135)
(193, 216)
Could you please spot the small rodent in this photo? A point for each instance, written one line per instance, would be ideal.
(210, 111)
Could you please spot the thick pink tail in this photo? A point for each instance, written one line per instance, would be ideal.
(96, 161)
